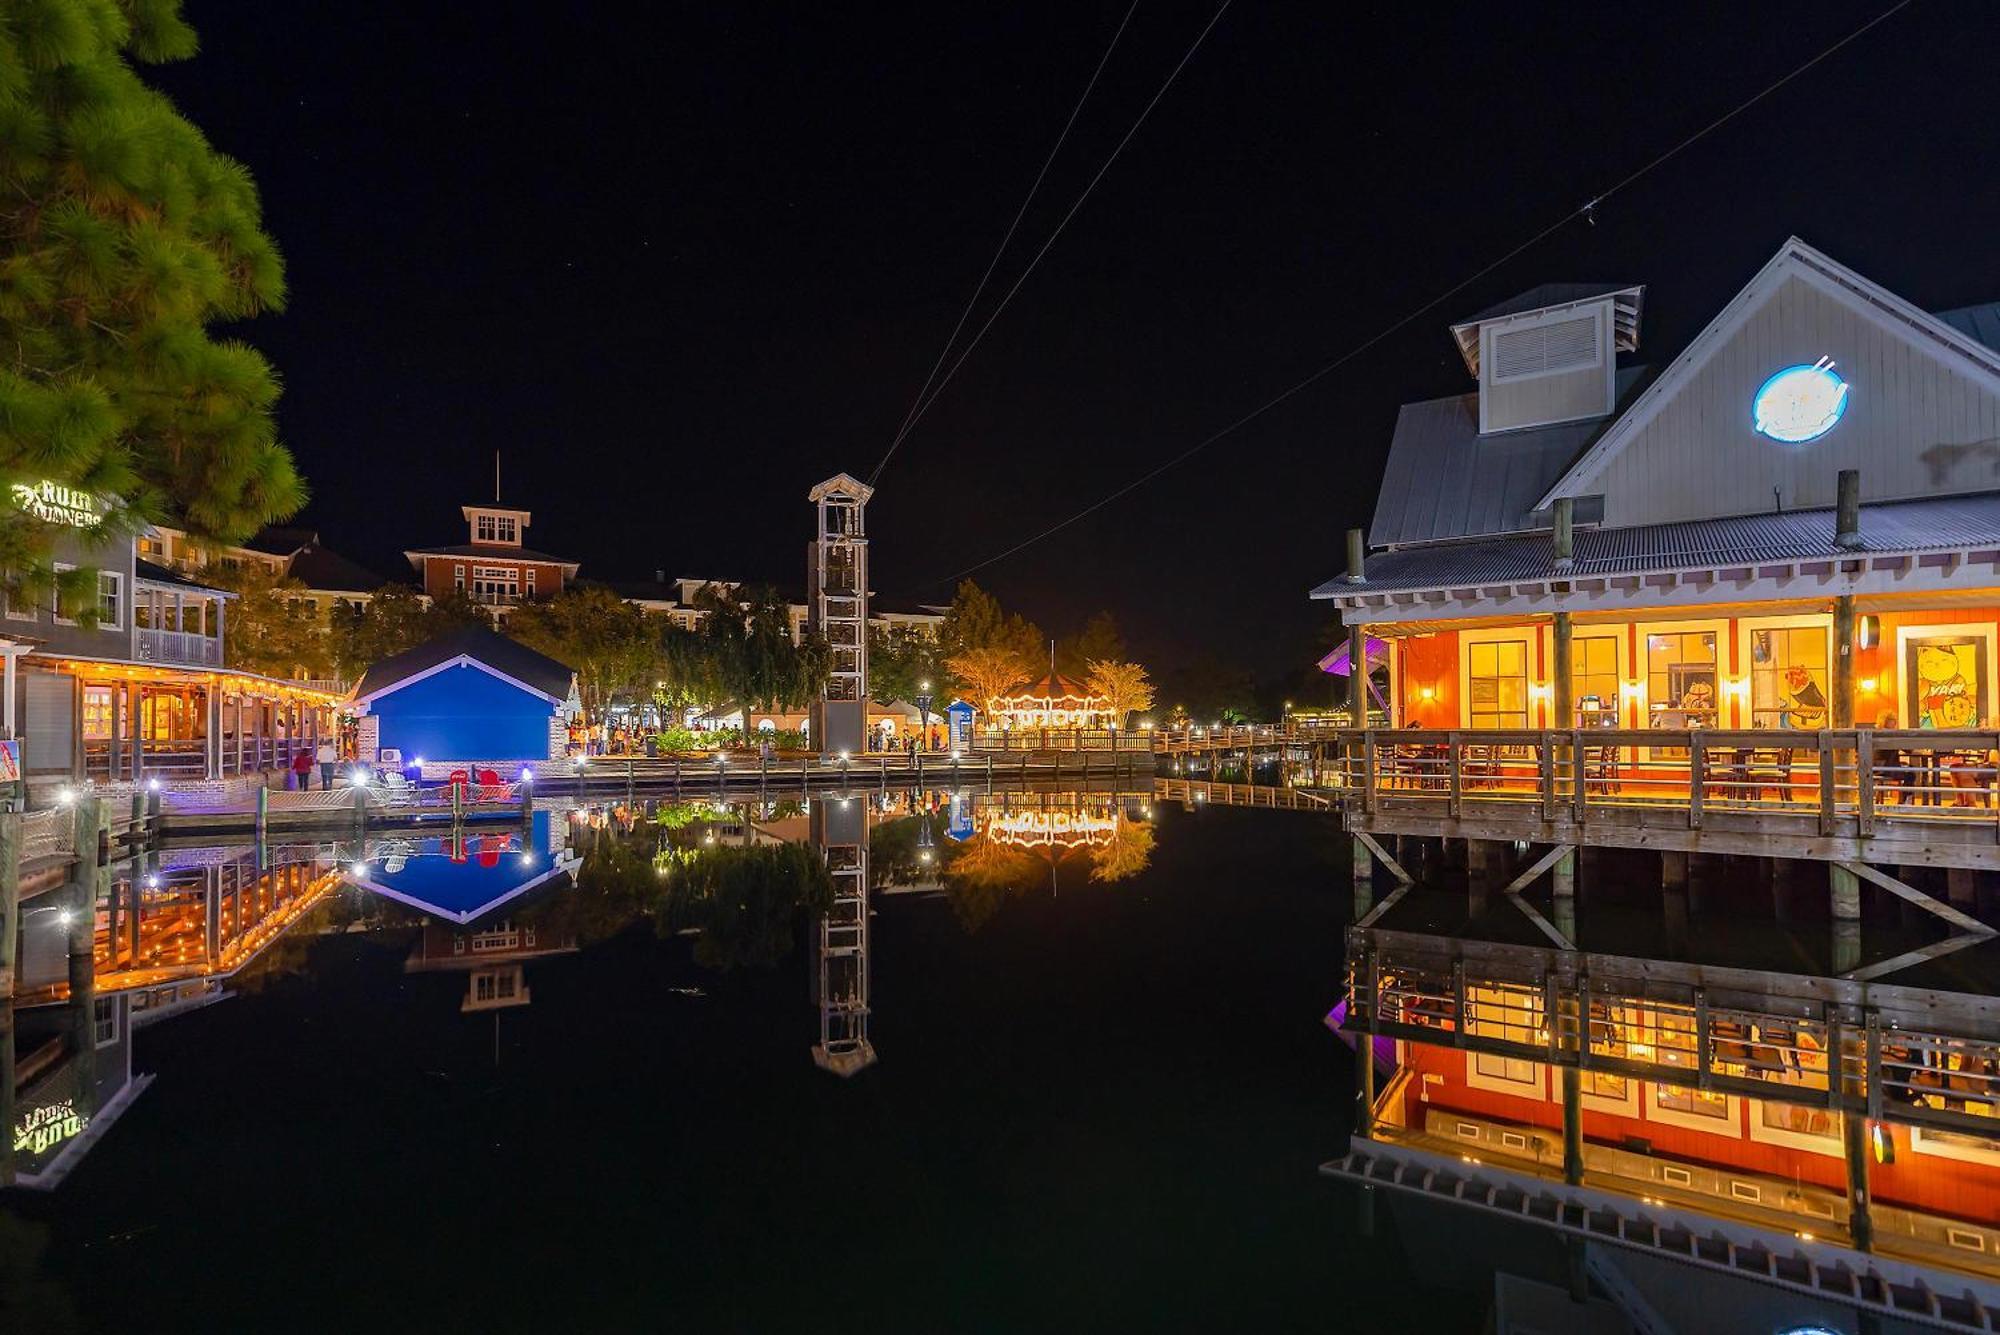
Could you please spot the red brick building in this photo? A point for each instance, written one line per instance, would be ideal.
(493, 567)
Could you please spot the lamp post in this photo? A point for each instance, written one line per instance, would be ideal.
(924, 713)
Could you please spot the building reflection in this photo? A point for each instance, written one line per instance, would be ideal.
(1823, 1134)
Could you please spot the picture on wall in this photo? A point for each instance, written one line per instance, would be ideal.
(1947, 679)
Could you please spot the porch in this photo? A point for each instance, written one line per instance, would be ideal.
(138, 723)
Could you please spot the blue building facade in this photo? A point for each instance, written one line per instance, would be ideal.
(465, 698)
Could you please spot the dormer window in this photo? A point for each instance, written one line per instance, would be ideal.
(496, 528)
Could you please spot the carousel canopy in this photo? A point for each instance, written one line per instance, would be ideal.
(1053, 691)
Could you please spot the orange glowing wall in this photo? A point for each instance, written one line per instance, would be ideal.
(1872, 708)
(1429, 663)
(1950, 1187)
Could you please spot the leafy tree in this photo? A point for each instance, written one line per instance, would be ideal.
(270, 627)
(123, 236)
(901, 659)
(975, 620)
(609, 642)
(748, 642)
(1100, 641)
(1212, 690)
(987, 673)
(397, 618)
(1125, 685)
(745, 901)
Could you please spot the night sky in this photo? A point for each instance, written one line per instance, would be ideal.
(679, 262)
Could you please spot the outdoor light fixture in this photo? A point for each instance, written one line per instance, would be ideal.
(152, 882)
(418, 762)
(358, 869)
(359, 778)
(65, 796)
(1867, 631)
(153, 785)
(1879, 1140)
(527, 776)
(1869, 685)
(1426, 693)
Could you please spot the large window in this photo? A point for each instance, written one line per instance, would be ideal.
(494, 528)
(496, 584)
(1788, 677)
(1593, 677)
(1497, 684)
(1681, 678)
(110, 600)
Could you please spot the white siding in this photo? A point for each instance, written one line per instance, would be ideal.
(1919, 422)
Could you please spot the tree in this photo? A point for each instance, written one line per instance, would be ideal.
(1100, 641)
(606, 639)
(901, 659)
(748, 642)
(123, 236)
(987, 673)
(1125, 685)
(270, 627)
(396, 619)
(975, 620)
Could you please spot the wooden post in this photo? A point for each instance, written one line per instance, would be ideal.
(263, 810)
(457, 804)
(1843, 661)
(1572, 1093)
(1847, 510)
(10, 913)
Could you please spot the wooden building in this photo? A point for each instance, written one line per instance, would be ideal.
(494, 566)
(1762, 577)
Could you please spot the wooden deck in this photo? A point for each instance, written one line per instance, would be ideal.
(1909, 798)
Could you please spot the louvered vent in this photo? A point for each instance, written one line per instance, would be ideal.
(1567, 345)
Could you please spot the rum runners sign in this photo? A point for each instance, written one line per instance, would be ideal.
(54, 503)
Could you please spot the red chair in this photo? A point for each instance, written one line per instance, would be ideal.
(459, 776)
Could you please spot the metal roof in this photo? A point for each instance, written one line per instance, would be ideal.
(1933, 524)
(535, 670)
(1444, 480)
(1978, 322)
(1547, 295)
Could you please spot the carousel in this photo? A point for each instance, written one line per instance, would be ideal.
(1053, 701)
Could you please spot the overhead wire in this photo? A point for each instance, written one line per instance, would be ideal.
(925, 403)
(980, 289)
(1585, 210)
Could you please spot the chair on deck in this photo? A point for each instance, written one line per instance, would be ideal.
(1768, 768)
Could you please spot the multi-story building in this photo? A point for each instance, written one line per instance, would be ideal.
(140, 689)
(675, 599)
(494, 567)
(328, 579)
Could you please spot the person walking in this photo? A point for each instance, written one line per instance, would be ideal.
(329, 756)
(302, 769)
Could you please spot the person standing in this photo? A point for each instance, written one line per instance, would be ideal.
(302, 769)
(329, 755)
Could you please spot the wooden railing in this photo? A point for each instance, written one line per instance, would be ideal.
(1061, 739)
(1847, 779)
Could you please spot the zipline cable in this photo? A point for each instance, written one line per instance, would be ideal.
(1583, 210)
(1019, 214)
(925, 404)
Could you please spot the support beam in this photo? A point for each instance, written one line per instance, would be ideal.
(1564, 875)
(1965, 922)
(1537, 867)
(1369, 842)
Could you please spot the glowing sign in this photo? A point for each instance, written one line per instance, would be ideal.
(53, 503)
(1800, 403)
(46, 1127)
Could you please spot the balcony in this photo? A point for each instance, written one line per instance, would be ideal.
(180, 647)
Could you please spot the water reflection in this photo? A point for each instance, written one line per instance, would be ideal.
(1821, 1133)
(751, 883)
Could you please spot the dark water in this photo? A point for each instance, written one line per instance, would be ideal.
(1100, 1108)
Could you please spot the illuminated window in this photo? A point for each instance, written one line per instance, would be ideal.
(1593, 675)
(1681, 678)
(99, 709)
(1513, 1070)
(494, 528)
(1604, 1085)
(1497, 684)
(496, 584)
(1788, 677)
(1691, 1102)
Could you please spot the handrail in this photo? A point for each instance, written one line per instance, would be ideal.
(1846, 780)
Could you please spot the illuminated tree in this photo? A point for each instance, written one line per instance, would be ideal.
(123, 236)
(609, 642)
(1127, 853)
(986, 673)
(1124, 685)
